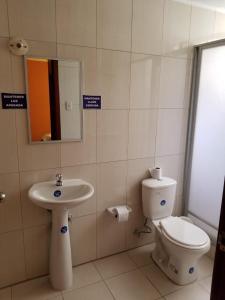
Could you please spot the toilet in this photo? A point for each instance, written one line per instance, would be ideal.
(179, 243)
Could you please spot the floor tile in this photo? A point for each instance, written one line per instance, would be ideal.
(206, 283)
(37, 289)
(114, 265)
(84, 275)
(132, 286)
(97, 291)
(163, 284)
(191, 292)
(205, 266)
(5, 294)
(141, 256)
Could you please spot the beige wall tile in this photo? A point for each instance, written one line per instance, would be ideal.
(34, 157)
(10, 210)
(110, 235)
(147, 26)
(74, 153)
(169, 165)
(5, 71)
(202, 25)
(6, 294)
(112, 130)
(88, 173)
(88, 58)
(173, 83)
(145, 79)
(92, 292)
(170, 132)
(36, 252)
(11, 258)
(111, 184)
(83, 239)
(113, 78)
(176, 28)
(142, 133)
(4, 29)
(136, 221)
(178, 209)
(114, 24)
(137, 171)
(34, 20)
(8, 157)
(76, 22)
(32, 214)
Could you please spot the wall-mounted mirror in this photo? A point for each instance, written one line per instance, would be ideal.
(54, 99)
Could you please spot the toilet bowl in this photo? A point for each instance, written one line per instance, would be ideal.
(179, 243)
(179, 246)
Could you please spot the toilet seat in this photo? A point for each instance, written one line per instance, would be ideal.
(183, 233)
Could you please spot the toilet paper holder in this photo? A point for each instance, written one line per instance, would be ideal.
(113, 210)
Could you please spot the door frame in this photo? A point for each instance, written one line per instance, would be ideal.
(218, 278)
(194, 91)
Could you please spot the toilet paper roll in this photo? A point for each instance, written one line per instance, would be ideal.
(121, 212)
(156, 173)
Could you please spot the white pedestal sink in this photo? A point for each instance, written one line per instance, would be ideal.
(59, 199)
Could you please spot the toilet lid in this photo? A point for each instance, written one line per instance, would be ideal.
(184, 232)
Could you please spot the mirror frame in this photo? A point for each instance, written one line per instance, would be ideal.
(28, 102)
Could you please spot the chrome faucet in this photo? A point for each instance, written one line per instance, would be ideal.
(59, 180)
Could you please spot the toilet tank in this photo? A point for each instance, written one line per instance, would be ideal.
(158, 197)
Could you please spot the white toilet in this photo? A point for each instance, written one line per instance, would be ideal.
(179, 243)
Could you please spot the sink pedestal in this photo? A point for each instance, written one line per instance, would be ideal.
(61, 274)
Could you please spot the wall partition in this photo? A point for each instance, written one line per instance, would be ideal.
(205, 161)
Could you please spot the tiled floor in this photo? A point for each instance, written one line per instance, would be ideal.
(131, 275)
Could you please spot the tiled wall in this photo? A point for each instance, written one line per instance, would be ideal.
(136, 54)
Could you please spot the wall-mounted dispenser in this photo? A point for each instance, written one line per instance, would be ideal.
(120, 212)
(18, 46)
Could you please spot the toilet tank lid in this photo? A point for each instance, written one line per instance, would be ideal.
(158, 184)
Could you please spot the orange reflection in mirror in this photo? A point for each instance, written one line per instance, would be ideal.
(39, 99)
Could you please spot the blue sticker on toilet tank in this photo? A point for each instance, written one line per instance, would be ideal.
(64, 229)
(57, 193)
(163, 202)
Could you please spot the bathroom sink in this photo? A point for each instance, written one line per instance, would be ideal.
(59, 196)
(71, 193)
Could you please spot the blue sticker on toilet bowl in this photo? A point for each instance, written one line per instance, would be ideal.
(64, 229)
(163, 202)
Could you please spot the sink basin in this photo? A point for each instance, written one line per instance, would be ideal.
(59, 199)
(48, 195)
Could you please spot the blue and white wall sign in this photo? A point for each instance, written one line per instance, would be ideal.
(91, 102)
(14, 101)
